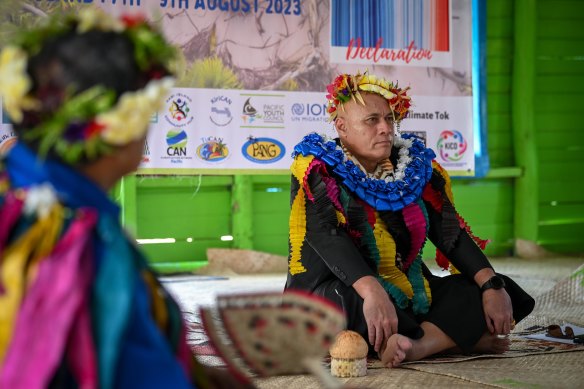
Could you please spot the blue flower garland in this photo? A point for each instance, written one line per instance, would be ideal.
(383, 195)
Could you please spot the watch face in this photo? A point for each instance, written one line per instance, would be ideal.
(497, 282)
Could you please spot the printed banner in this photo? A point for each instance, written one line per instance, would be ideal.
(392, 32)
(7, 136)
(253, 75)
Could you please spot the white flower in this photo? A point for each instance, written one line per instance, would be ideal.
(15, 82)
(39, 200)
(129, 119)
(94, 18)
(404, 158)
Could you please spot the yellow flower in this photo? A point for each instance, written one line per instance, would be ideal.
(130, 118)
(15, 82)
(95, 18)
(379, 89)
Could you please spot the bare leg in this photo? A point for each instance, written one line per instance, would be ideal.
(400, 348)
(487, 344)
(396, 350)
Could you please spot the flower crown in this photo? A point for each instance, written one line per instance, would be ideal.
(347, 87)
(87, 124)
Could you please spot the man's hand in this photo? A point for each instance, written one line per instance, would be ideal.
(496, 305)
(378, 310)
(498, 311)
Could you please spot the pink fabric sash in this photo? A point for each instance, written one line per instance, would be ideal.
(54, 314)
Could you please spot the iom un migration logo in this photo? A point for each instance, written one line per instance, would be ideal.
(451, 145)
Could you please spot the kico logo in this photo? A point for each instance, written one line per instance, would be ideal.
(212, 149)
(451, 145)
(263, 150)
(177, 143)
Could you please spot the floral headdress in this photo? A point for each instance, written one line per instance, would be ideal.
(87, 124)
(347, 87)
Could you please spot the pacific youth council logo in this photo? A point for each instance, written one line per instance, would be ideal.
(451, 145)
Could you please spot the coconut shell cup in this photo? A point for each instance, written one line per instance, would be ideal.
(349, 355)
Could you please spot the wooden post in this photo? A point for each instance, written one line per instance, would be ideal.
(523, 122)
(241, 205)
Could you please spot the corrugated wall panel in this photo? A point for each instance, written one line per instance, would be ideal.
(176, 209)
(182, 208)
(499, 57)
(487, 204)
(560, 143)
(271, 208)
(563, 10)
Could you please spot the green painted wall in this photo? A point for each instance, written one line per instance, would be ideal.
(559, 105)
(254, 209)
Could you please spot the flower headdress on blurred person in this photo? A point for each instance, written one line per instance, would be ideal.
(348, 87)
(85, 125)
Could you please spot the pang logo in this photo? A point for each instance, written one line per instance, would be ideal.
(263, 150)
(212, 149)
(451, 145)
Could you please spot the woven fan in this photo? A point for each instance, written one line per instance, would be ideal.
(272, 334)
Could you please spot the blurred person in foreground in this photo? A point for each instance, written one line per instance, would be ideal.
(79, 305)
(363, 206)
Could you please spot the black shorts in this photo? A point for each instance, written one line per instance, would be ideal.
(456, 309)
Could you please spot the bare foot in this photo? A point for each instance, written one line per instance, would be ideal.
(396, 350)
(492, 344)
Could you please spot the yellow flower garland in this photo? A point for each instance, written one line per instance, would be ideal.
(15, 83)
(387, 253)
(297, 222)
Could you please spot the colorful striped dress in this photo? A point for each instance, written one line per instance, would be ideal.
(79, 306)
(346, 224)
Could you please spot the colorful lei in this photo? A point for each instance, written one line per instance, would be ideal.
(394, 192)
(347, 87)
(89, 123)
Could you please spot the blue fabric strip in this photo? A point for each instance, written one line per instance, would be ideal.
(75, 190)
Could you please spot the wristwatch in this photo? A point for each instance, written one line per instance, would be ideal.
(495, 282)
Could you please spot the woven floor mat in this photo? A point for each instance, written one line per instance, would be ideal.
(520, 347)
(564, 303)
(539, 371)
(386, 379)
(556, 370)
(529, 363)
